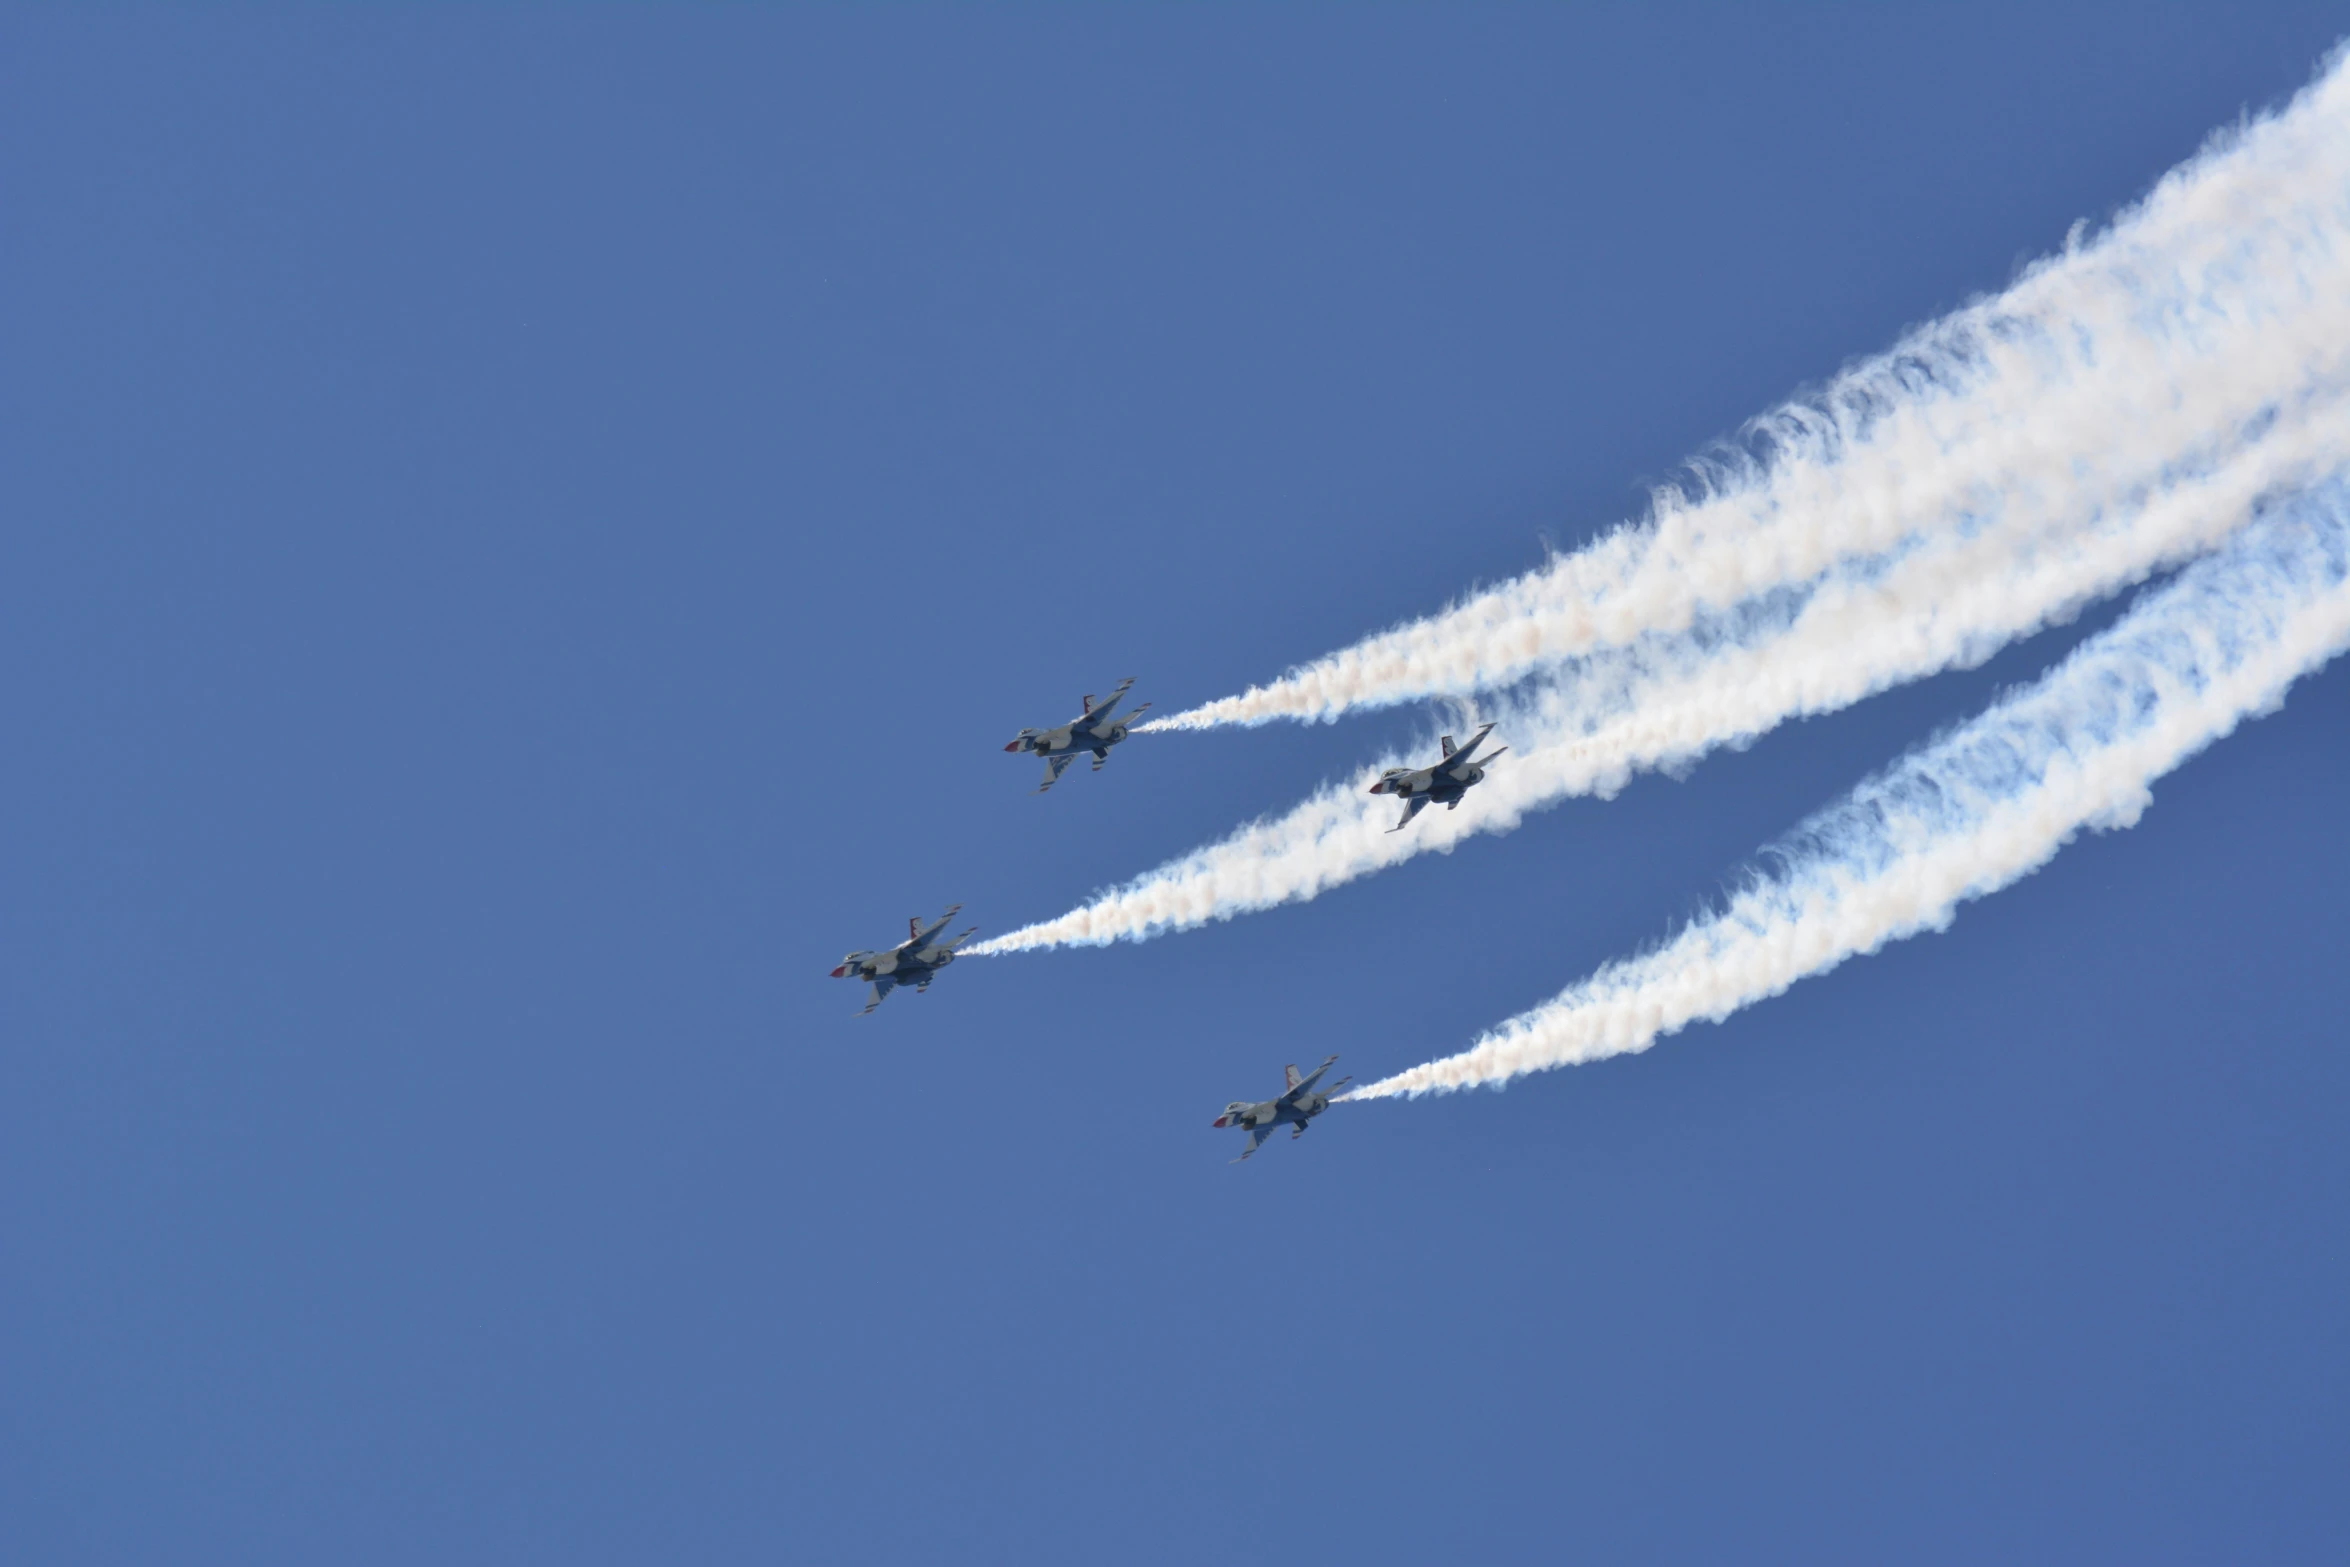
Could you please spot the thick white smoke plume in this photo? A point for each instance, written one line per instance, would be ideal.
(1978, 809)
(2117, 413)
(2163, 346)
(1663, 703)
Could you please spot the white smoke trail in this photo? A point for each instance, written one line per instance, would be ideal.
(2220, 297)
(1983, 807)
(1943, 604)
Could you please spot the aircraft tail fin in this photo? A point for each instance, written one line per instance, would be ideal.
(1475, 740)
(1299, 1085)
(916, 931)
(1093, 709)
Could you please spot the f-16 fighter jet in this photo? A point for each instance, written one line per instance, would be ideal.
(1095, 730)
(1448, 780)
(1298, 1104)
(914, 961)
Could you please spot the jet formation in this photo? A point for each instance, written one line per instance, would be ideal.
(914, 961)
(1298, 1104)
(917, 960)
(1447, 781)
(1096, 730)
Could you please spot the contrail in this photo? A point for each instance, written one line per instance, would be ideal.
(2222, 296)
(1592, 726)
(1978, 809)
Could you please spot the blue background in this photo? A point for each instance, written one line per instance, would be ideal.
(525, 536)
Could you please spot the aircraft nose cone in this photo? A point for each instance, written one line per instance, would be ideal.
(1223, 1120)
(1014, 746)
(838, 972)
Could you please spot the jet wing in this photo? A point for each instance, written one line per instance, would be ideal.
(1300, 1086)
(1256, 1140)
(881, 988)
(1411, 808)
(1054, 766)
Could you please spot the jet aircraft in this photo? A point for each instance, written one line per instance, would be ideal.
(1096, 730)
(914, 961)
(1298, 1104)
(1447, 781)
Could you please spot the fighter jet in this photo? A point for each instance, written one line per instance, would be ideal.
(1095, 730)
(1298, 1104)
(914, 961)
(1448, 780)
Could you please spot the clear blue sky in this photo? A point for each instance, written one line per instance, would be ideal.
(524, 538)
